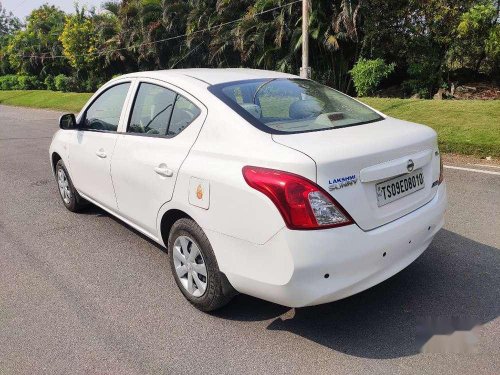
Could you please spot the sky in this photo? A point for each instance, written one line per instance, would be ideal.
(21, 8)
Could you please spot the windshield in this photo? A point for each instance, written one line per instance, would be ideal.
(293, 105)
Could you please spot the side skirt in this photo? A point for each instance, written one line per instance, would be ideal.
(126, 221)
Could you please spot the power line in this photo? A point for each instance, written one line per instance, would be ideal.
(186, 55)
(165, 39)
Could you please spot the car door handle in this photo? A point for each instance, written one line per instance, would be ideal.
(101, 153)
(164, 171)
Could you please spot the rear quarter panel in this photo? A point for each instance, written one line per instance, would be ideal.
(224, 146)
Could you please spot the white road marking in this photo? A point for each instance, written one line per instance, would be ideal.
(486, 165)
(472, 170)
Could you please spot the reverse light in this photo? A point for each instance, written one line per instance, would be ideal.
(302, 203)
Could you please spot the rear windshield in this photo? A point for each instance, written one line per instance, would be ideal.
(293, 105)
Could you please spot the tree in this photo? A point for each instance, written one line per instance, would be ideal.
(416, 35)
(428, 40)
(270, 40)
(36, 49)
(109, 35)
(217, 46)
(478, 39)
(8, 23)
(8, 26)
(79, 41)
(174, 19)
(343, 38)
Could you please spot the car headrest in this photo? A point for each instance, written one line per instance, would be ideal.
(253, 109)
(304, 109)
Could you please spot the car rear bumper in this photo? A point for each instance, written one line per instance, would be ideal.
(302, 268)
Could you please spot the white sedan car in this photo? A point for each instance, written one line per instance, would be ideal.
(256, 182)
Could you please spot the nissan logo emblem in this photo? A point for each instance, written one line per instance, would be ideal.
(410, 165)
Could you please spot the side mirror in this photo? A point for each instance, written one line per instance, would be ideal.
(67, 121)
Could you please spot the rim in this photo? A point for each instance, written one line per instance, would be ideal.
(62, 181)
(190, 266)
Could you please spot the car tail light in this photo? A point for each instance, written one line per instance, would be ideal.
(302, 203)
(441, 176)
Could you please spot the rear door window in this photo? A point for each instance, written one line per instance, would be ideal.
(184, 114)
(152, 110)
(158, 111)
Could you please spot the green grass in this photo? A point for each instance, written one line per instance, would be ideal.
(463, 126)
(64, 101)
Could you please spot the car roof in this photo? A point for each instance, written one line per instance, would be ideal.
(212, 76)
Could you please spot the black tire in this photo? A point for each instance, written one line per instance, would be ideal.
(74, 202)
(218, 290)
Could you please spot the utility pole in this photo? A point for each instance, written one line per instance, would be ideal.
(305, 71)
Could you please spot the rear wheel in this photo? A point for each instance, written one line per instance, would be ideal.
(70, 197)
(195, 268)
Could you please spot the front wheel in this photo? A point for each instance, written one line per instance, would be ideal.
(195, 268)
(70, 197)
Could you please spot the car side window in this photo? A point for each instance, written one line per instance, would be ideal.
(184, 114)
(152, 110)
(104, 113)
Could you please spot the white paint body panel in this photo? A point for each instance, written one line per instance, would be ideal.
(395, 167)
(199, 193)
(140, 190)
(90, 172)
(259, 255)
(377, 151)
(290, 268)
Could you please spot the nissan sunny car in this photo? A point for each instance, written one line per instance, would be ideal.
(256, 182)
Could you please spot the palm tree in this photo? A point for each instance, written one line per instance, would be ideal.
(345, 24)
(269, 40)
(342, 40)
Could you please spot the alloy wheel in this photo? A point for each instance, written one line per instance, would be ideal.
(63, 182)
(190, 266)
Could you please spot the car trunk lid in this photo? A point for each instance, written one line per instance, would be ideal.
(352, 161)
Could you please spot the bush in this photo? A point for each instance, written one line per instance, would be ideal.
(8, 82)
(91, 84)
(425, 78)
(414, 86)
(64, 83)
(28, 83)
(49, 83)
(367, 74)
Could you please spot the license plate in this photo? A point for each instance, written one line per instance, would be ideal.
(399, 187)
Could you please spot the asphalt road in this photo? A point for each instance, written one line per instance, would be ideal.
(83, 293)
